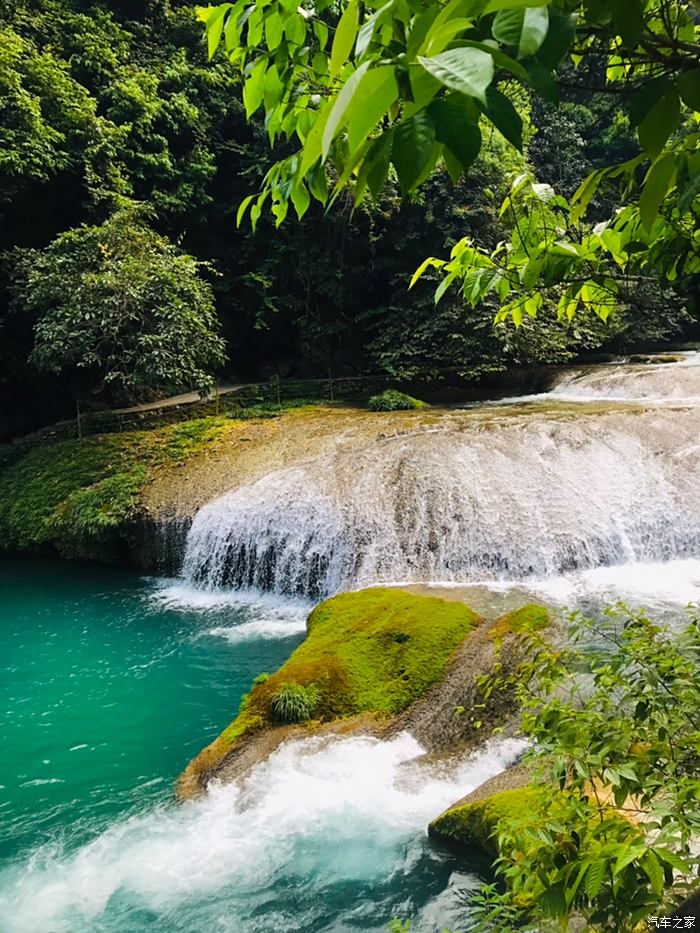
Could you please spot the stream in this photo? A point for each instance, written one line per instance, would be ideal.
(111, 682)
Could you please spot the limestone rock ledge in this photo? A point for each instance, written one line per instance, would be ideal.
(377, 661)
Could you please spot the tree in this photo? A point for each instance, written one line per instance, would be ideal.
(121, 302)
(405, 85)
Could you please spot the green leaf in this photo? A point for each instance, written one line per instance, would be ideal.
(594, 879)
(505, 117)
(430, 263)
(444, 285)
(412, 148)
(659, 123)
(452, 164)
(627, 856)
(215, 26)
(253, 89)
(378, 162)
(560, 35)
(584, 194)
(544, 81)
(689, 88)
(456, 130)
(500, 59)
(300, 199)
(645, 98)
(378, 91)
(338, 114)
(273, 30)
(243, 206)
(364, 36)
(344, 38)
(524, 30)
(658, 181)
(467, 70)
(628, 19)
(654, 872)
(312, 144)
(494, 5)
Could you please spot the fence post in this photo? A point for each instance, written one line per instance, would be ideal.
(77, 412)
(277, 384)
(330, 383)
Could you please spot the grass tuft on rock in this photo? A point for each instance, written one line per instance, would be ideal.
(294, 703)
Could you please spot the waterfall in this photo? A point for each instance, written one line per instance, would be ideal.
(661, 382)
(496, 494)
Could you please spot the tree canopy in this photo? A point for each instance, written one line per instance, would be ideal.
(363, 90)
(103, 104)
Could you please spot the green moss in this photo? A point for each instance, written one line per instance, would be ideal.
(473, 826)
(392, 400)
(74, 493)
(528, 618)
(375, 651)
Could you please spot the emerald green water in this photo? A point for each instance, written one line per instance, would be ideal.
(106, 694)
(109, 684)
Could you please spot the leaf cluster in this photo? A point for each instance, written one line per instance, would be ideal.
(614, 718)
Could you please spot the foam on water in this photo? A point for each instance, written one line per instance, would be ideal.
(263, 615)
(318, 812)
(670, 383)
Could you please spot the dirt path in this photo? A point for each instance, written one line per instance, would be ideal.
(183, 399)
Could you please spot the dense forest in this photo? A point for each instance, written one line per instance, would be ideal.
(114, 123)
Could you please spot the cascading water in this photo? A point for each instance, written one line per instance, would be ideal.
(561, 498)
(474, 496)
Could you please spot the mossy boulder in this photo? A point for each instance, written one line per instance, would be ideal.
(473, 827)
(454, 713)
(393, 400)
(376, 651)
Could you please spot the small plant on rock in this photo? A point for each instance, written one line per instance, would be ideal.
(294, 703)
(392, 400)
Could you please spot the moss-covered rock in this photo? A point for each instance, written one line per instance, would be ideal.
(393, 400)
(77, 496)
(375, 652)
(473, 827)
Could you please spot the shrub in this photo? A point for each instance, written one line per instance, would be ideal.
(614, 722)
(294, 703)
(392, 400)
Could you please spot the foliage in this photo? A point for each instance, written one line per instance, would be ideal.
(105, 102)
(294, 703)
(403, 86)
(393, 400)
(122, 302)
(373, 651)
(407, 85)
(615, 723)
(71, 494)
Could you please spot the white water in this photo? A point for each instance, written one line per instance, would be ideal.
(318, 813)
(266, 615)
(510, 499)
(560, 507)
(661, 383)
